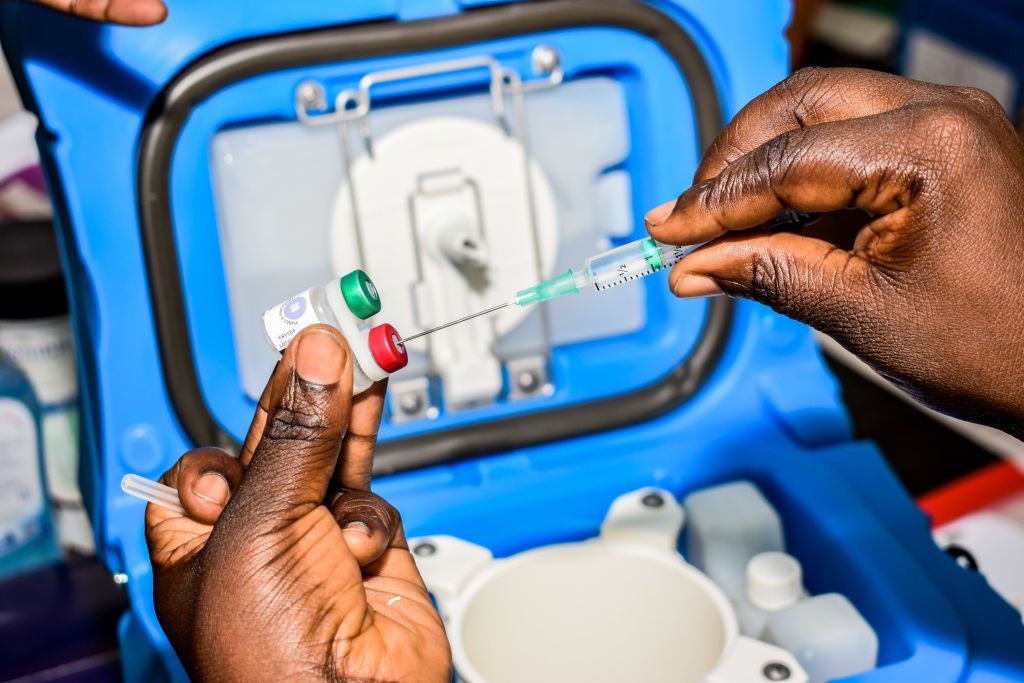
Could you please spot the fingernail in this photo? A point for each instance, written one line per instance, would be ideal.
(691, 286)
(212, 487)
(361, 527)
(319, 359)
(659, 214)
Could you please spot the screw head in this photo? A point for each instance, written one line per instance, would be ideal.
(311, 94)
(411, 404)
(962, 557)
(545, 59)
(653, 500)
(424, 549)
(527, 381)
(776, 671)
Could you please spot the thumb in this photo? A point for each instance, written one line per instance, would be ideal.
(307, 415)
(803, 278)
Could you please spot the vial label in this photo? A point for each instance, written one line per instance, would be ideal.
(286, 320)
(21, 486)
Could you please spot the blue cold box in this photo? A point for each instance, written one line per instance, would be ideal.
(705, 392)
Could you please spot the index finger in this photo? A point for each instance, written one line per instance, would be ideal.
(355, 465)
(827, 167)
(808, 97)
(258, 424)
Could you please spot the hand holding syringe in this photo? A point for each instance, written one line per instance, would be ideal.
(614, 267)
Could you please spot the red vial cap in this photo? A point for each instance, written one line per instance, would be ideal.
(387, 349)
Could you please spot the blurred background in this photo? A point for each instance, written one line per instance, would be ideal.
(61, 606)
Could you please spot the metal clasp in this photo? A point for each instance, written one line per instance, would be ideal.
(354, 105)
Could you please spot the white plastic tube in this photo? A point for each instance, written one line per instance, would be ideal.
(152, 491)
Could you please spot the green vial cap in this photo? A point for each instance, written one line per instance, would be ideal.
(359, 293)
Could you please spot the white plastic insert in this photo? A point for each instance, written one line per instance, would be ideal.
(281, 193)
(444, 223)
(623, 606)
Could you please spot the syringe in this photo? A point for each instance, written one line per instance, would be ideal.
(616, 266)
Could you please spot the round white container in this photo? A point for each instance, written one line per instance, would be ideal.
(623, 606)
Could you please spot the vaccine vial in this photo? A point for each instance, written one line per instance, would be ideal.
(344, 304)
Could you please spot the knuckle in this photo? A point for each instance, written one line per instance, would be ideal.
(303, 414)
(293, 424)
(983, 101)
(779, 280)
(721, 148)
(366, 440)
(809, 291)
(366, 506)
(808, 76)
(774, 156)
(947, 123)
(768, 275)
(948, 142)
(772, 162)
(802, 93)
(764, 167)
(721, 190)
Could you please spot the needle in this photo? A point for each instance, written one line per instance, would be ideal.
(460, 320)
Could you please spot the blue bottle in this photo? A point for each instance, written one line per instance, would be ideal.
(26, 533)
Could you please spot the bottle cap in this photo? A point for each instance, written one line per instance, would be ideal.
(774, 580)
(360, 295)
(387, 349)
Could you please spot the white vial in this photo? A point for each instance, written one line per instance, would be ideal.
(343, 303)
(774, 581)
(827, 635)
(727, 526)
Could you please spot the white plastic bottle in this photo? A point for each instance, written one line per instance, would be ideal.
(26, 535)
(344, 304)
(774, 581)
(827, 635)
(728, 525)
(35, 332)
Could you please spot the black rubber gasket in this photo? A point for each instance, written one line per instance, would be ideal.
(238, 61)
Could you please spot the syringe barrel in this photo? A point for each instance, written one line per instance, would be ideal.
(631, 262)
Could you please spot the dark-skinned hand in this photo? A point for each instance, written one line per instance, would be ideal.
(286, 566)
(130, 12)
(931, 294)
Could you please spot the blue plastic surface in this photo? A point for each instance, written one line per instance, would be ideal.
(656, 96)
(770, 412)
